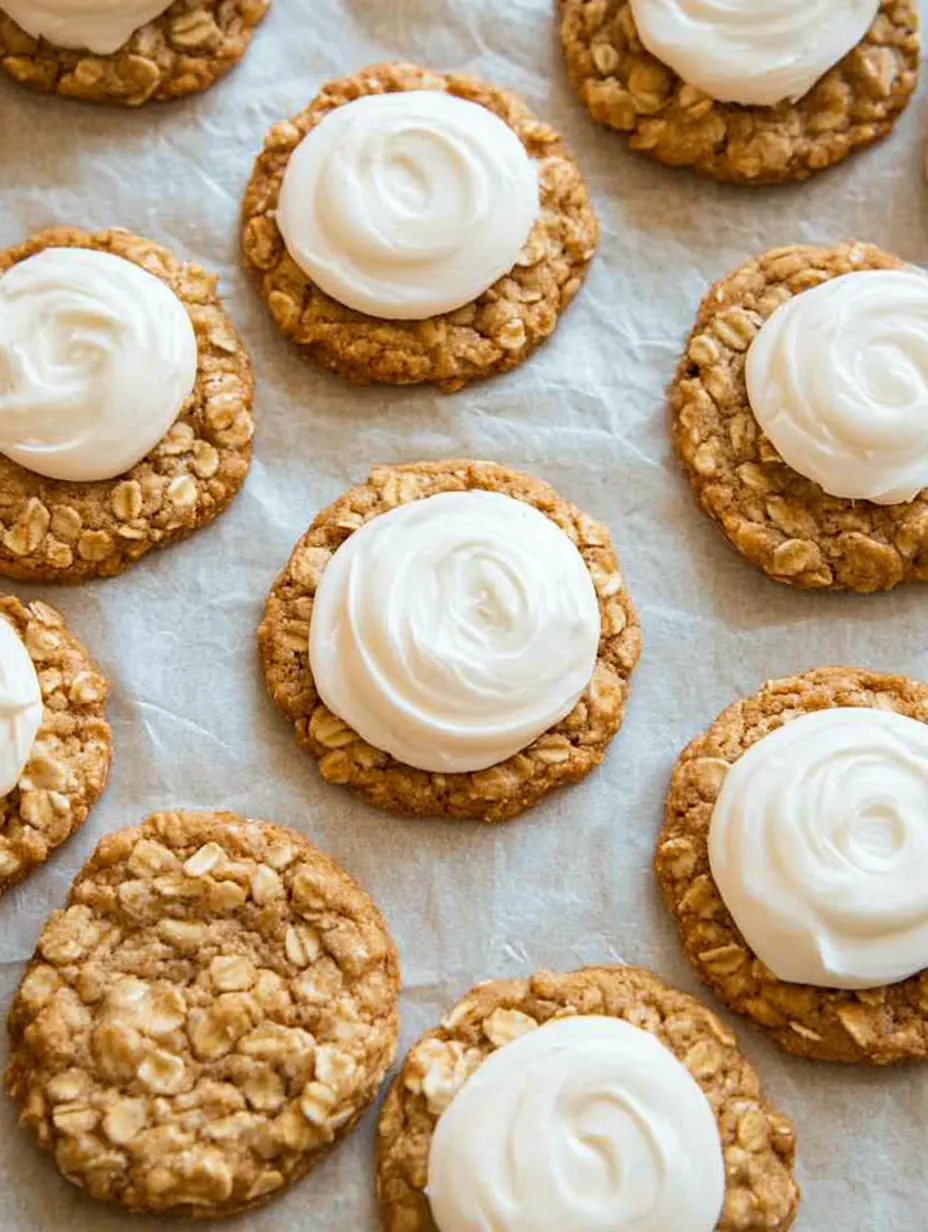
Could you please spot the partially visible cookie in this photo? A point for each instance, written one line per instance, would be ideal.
(757, 1141)
(493, 333)
(854, 104)
(780, 520)
(69, 762)
(54, 530)
(182, 51)
(211, 1013)
(877, 1025)
(563, 754)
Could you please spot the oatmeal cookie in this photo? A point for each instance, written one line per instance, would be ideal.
(211, 1013)
(563, 754)
(627, 88)
(778, 519)
(57, 531)
(494, 333)
(757, 1141)
(186, 49)
(875, 1025)
(70, 760)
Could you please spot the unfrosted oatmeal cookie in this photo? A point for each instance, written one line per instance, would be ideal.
(782, 521)
(211, 1013)
(819, 123)
(179, 48)
(756, 1141)
(69, 530)
(469, 628)
(838, 796)
(453, 270)
(58, 757)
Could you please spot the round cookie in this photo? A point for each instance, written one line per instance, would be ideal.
(70, 760)
(780, 520)
(494, 333)
(186, 49)
(211, 1014)
(563, 754)
(628, 89)
(57, 531)
(757, 1141)
(877, 1026)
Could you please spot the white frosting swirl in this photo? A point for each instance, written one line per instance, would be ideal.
(97, 357)
(407, 205)
(753, 52)
(452, 631)
(20, 707)
(585, 1123)
(819, 847)
(837, 377)
(100, 26)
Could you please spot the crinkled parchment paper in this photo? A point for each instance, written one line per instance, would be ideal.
(571, 882)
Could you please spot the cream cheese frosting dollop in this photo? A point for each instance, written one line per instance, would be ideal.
(753, 52)
(408, 204)
(818, 844)
(586, 1122)
(20, 707)
(100, 26)
(837, 378)
(97, 358)
(452, 631)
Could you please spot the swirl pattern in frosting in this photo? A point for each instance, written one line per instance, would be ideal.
(819, 846)
(586, 1122)
(20, 707)
(753, 52)
(408, 204)
(452, 631)
(100, 26)
(97, 358)
(837, 378)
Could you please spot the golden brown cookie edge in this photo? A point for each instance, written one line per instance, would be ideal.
(494, 333)
(724, 141)
(566, 753)
(99, 529)
(201, 827)
(705, 1046)
(875, 1026)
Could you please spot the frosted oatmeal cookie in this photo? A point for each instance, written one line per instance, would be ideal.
(755, 94)
(488, 1107)
(451, 639)
(55, 743)
(211, 1014)
(409, 226)
(124, 54)
(125, 419)
(799, 410)
(794, 858)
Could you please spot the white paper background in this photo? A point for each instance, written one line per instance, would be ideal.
(571, 882)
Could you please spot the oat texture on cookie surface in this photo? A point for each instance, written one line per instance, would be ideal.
(137, 437)
(464, 638)
(210, 1014)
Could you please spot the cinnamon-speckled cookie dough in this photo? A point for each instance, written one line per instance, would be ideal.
(211, 1014)
(781, 521)
(494, 333)
(563, 754)
(628, 89)
(186, 49)
(57, 531)
(757, 1141)
(70, 760)
(878, 1025)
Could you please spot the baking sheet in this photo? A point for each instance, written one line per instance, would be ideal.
(571, 882)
